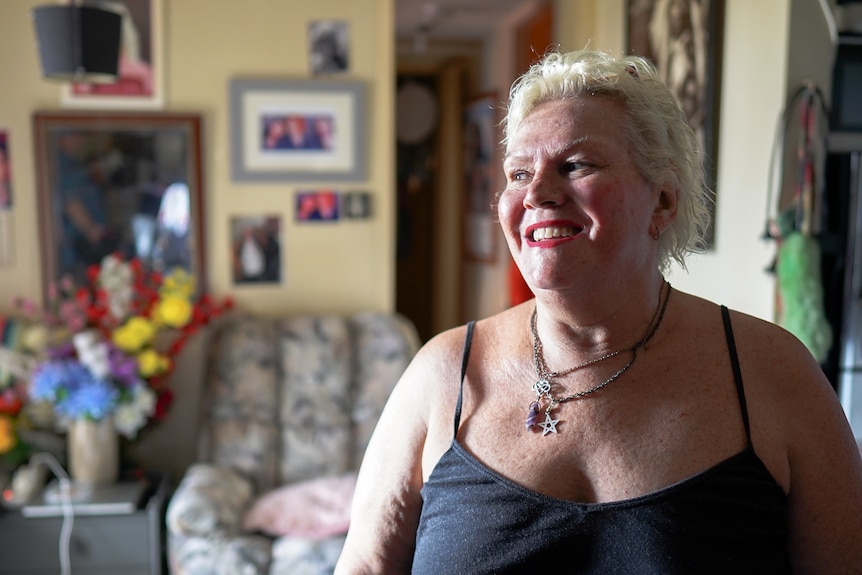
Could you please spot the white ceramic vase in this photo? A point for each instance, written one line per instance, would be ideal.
(94, 451)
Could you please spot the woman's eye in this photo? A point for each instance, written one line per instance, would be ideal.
(518, 176)
(573, 166)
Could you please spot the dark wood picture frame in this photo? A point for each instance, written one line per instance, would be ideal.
(139, 179)
(684, 39)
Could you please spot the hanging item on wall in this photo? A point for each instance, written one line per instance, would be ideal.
(480, 127)
(6, 200)
(356, 205)
(317, 206)
(793, 219)
(256, 249)
(297, 130)
(329, 47)
(415, 113)
(138, 81)
(78, 42)
(684, 41)
(5, 172)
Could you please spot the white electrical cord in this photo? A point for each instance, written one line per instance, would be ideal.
(64, 491)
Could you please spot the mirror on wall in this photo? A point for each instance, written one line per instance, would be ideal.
(119, 183)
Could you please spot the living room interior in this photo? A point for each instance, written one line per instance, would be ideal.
(208, 55)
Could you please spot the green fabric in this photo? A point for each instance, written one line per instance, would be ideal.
(798, 271)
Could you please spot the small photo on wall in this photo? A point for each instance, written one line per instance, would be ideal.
(329, 47)
(256, 249)
(356, 205)
(317, 206)
(5, 172)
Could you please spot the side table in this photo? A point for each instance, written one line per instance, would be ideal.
(103, 542)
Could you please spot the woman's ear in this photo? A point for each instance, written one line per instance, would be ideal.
(665, 209)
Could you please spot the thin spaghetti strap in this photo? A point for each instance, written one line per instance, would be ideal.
(465, 357)
(737, 373)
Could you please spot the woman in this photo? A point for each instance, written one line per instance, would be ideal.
(612, 425)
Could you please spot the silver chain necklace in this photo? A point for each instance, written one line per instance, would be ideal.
(542, 387)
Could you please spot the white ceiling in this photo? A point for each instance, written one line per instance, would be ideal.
(453, 19)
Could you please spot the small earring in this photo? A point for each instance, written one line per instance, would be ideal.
(657, 233)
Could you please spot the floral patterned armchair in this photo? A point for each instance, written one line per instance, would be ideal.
(288, 407)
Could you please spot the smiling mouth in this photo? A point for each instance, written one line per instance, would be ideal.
(554, 232)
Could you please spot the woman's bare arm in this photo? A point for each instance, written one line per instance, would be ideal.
(388, 502)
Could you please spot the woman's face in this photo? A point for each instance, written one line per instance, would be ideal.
(574, 206)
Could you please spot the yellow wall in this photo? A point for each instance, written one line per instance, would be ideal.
(337, 268)
(753, 90)
(351, 265)
(330, 268)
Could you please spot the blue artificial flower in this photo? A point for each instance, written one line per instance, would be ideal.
(75, 392)
(93, 399)
(50, 379)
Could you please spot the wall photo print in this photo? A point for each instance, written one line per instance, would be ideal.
(5, 172)
(683, 38)
(256, 249)
(329, 47)
(139, 82)
(317, 206)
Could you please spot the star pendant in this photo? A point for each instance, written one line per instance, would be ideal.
(549, 425)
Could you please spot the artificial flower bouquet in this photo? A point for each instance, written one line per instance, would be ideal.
(115, 340)
(21, 341)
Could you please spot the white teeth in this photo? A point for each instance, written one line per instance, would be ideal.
(540, 234)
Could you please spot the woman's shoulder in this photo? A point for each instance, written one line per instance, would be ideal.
(492, 328)
(749, 331)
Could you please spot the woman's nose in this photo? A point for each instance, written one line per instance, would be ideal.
(543, 192)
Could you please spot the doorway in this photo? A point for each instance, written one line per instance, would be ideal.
(430, 196)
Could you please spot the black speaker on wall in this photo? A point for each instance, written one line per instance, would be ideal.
(78, 43)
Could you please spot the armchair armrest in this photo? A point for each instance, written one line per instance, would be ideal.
(209, 502)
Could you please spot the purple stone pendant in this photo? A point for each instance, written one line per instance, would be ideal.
(533, 415)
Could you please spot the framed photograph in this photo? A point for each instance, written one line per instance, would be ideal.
(684, 41)
(356, 205)
(5, 173)
(329, 47)
(140, 84)
(126, 183)
(256, 249)
(480, 154)
(297, 130)
(317, 206)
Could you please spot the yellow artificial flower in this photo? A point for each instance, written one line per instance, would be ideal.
(179, 283)
(8, 440)
(134, 334)
(151, 362)
(173, 310)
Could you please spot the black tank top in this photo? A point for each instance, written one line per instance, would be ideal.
(729, 519)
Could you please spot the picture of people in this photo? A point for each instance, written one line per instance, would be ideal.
(329, 47)
(297, 132)
(317, 206)
(135, 72)
(5, 173)
(256, 249)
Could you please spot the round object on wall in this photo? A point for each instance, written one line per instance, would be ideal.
(416, 116)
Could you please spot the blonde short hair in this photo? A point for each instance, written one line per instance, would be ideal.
(666, 150)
